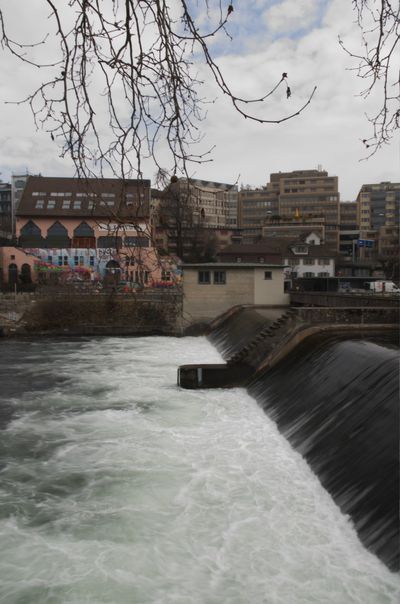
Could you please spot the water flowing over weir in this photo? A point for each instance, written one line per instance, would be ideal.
(117, 487)
(336, 400)
(337, 403)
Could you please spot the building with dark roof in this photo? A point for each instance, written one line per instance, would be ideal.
(95, 225)
(304, 257)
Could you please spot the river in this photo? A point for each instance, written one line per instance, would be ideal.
(117, 487)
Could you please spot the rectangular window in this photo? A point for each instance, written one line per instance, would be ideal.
(60, 260)
(91, 261)
(65, 260)
(308, 261)
(322, 261)
(77, 205)
(267, 274)
(220, 277)
(137, 241)
(39, 204)
(309, 275)
(50, 259)
(76, 260)
(66, 204)
(204, 277)
(81, 261)
(51, 204)
(165, 275)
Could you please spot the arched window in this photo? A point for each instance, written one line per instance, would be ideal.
(31, 235)
(26, 273)
(84, 236)
(57, 236)
(12, 274)
(113, 265)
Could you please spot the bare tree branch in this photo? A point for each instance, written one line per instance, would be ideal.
(134, 62)
(379, 66)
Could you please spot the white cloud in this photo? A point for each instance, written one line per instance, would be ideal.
(327, 133)
(291, 15)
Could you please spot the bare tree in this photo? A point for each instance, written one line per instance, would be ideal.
(379, 66)
(135, 62)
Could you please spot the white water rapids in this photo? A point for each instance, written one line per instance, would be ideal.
(118, 487)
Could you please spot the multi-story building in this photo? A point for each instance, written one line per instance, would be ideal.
(291, 203)
(303, 257)
(292, 228)
(18, 182)
(305, 194)
(194, 216)
(349, 229)
(378, 210)
(254, 206)
(212, 204)
(94, 227)
(5, 210)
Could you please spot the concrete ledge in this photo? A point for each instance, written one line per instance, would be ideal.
(306, 331)
(193, 377)
(236, 374)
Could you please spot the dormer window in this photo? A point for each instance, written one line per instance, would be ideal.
(39, 204)
(300, 249)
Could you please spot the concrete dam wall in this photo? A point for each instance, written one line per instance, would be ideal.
(329, 379)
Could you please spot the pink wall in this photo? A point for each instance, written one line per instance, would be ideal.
(13, 255)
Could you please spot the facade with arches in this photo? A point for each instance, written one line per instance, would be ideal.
(93, 229)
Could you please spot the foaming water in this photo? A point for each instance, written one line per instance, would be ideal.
(117, 487)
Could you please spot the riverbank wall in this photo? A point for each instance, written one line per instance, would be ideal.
(108, 314)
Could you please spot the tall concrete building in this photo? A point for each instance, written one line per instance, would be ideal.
(196, 217)
(378, 205)
(212, 204)
(349, 229)
(254, 207)
(6, 221)
(378, 211)
(304, 194)
(303, 197)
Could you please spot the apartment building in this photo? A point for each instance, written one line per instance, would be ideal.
(5, 210)
(349, 229)
(254, 207)
(378, 212)
(305, 194)
(291, 203)
(195, 217)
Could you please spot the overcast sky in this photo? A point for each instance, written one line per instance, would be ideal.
(299, 37)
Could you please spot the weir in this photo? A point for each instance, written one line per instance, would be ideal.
(329, 378)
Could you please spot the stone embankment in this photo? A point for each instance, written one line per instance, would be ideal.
(71, 313)
(265, 342)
